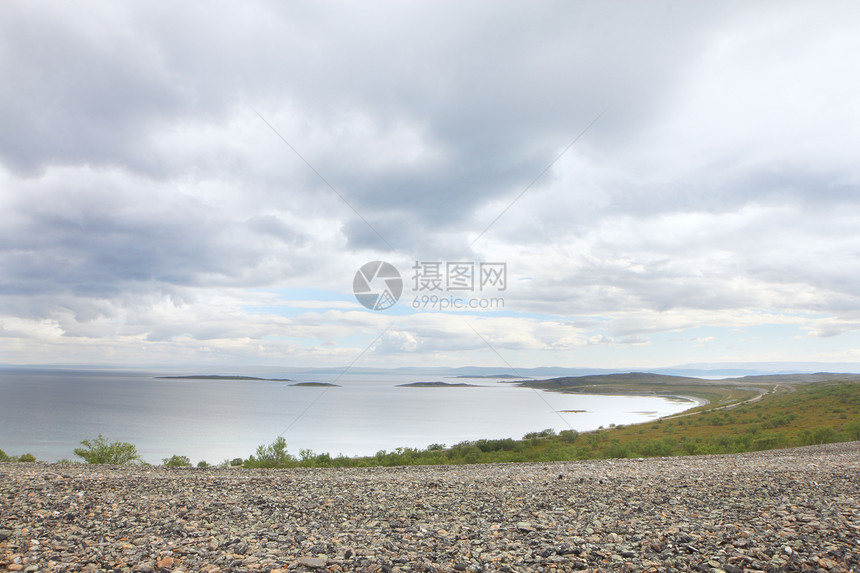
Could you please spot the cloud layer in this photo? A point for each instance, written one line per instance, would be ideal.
(199, 184)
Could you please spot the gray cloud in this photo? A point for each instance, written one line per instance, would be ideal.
(133, 166)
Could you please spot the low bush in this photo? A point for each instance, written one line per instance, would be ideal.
(568, 436)
(176, 462)
(548, 433)
(272, 456)
(21, 458)
(495, 445)
(853, 430)
(99, 451)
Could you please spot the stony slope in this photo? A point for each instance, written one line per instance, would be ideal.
(783, 510)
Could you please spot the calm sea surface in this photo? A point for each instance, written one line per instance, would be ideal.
(48, 412)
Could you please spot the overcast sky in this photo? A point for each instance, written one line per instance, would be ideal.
(198, 185)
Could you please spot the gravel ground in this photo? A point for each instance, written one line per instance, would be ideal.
(784, 510)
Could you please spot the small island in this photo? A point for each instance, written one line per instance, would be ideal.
(315, 384)
(437, 385)
(219, 377)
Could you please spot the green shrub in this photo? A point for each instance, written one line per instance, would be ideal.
(615, 450)
(176, 461)
(236, 462)
(272, 456)
(99, 451)
(779, 421)
(26, 458)
(853, 430)
(568, 436)
(202, 464)
(309, 459)
(653, 448)
(548, 433)
(3, 456)
(495, 445)
(777, 440)
(824, 435)
(690, 448)
(306, 455)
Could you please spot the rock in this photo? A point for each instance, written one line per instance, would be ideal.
(757, 511)
(312, 562)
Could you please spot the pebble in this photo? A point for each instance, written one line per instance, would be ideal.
(792, 510)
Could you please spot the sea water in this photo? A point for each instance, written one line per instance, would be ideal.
(48, 412)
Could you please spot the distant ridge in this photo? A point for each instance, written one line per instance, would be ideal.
(693, 370)
(697, 370)
(651, 383)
